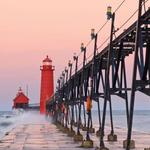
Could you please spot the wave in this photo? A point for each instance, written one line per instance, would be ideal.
(5, 124)
(9, 120)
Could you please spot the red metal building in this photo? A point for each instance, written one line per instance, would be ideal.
(47, 83)
(21, 100)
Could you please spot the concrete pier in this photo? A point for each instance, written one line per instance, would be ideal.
(46, 136)
(37, 137)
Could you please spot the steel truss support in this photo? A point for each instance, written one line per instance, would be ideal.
(133, 89)
(107, 86)
(106, 75)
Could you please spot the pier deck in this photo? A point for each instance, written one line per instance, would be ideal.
(37, 137)
(47, 137)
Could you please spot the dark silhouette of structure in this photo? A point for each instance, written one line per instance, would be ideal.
(105, 75)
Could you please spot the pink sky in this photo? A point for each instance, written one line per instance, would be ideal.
(31, 29)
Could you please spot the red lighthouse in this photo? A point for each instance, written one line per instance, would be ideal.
(21, 100)
(47, 83)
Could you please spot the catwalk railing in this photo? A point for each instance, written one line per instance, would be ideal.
(101, 78)
(35, 106)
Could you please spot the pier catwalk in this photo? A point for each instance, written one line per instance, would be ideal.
(43, 135)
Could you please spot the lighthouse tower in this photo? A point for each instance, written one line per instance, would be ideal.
(47, 83)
